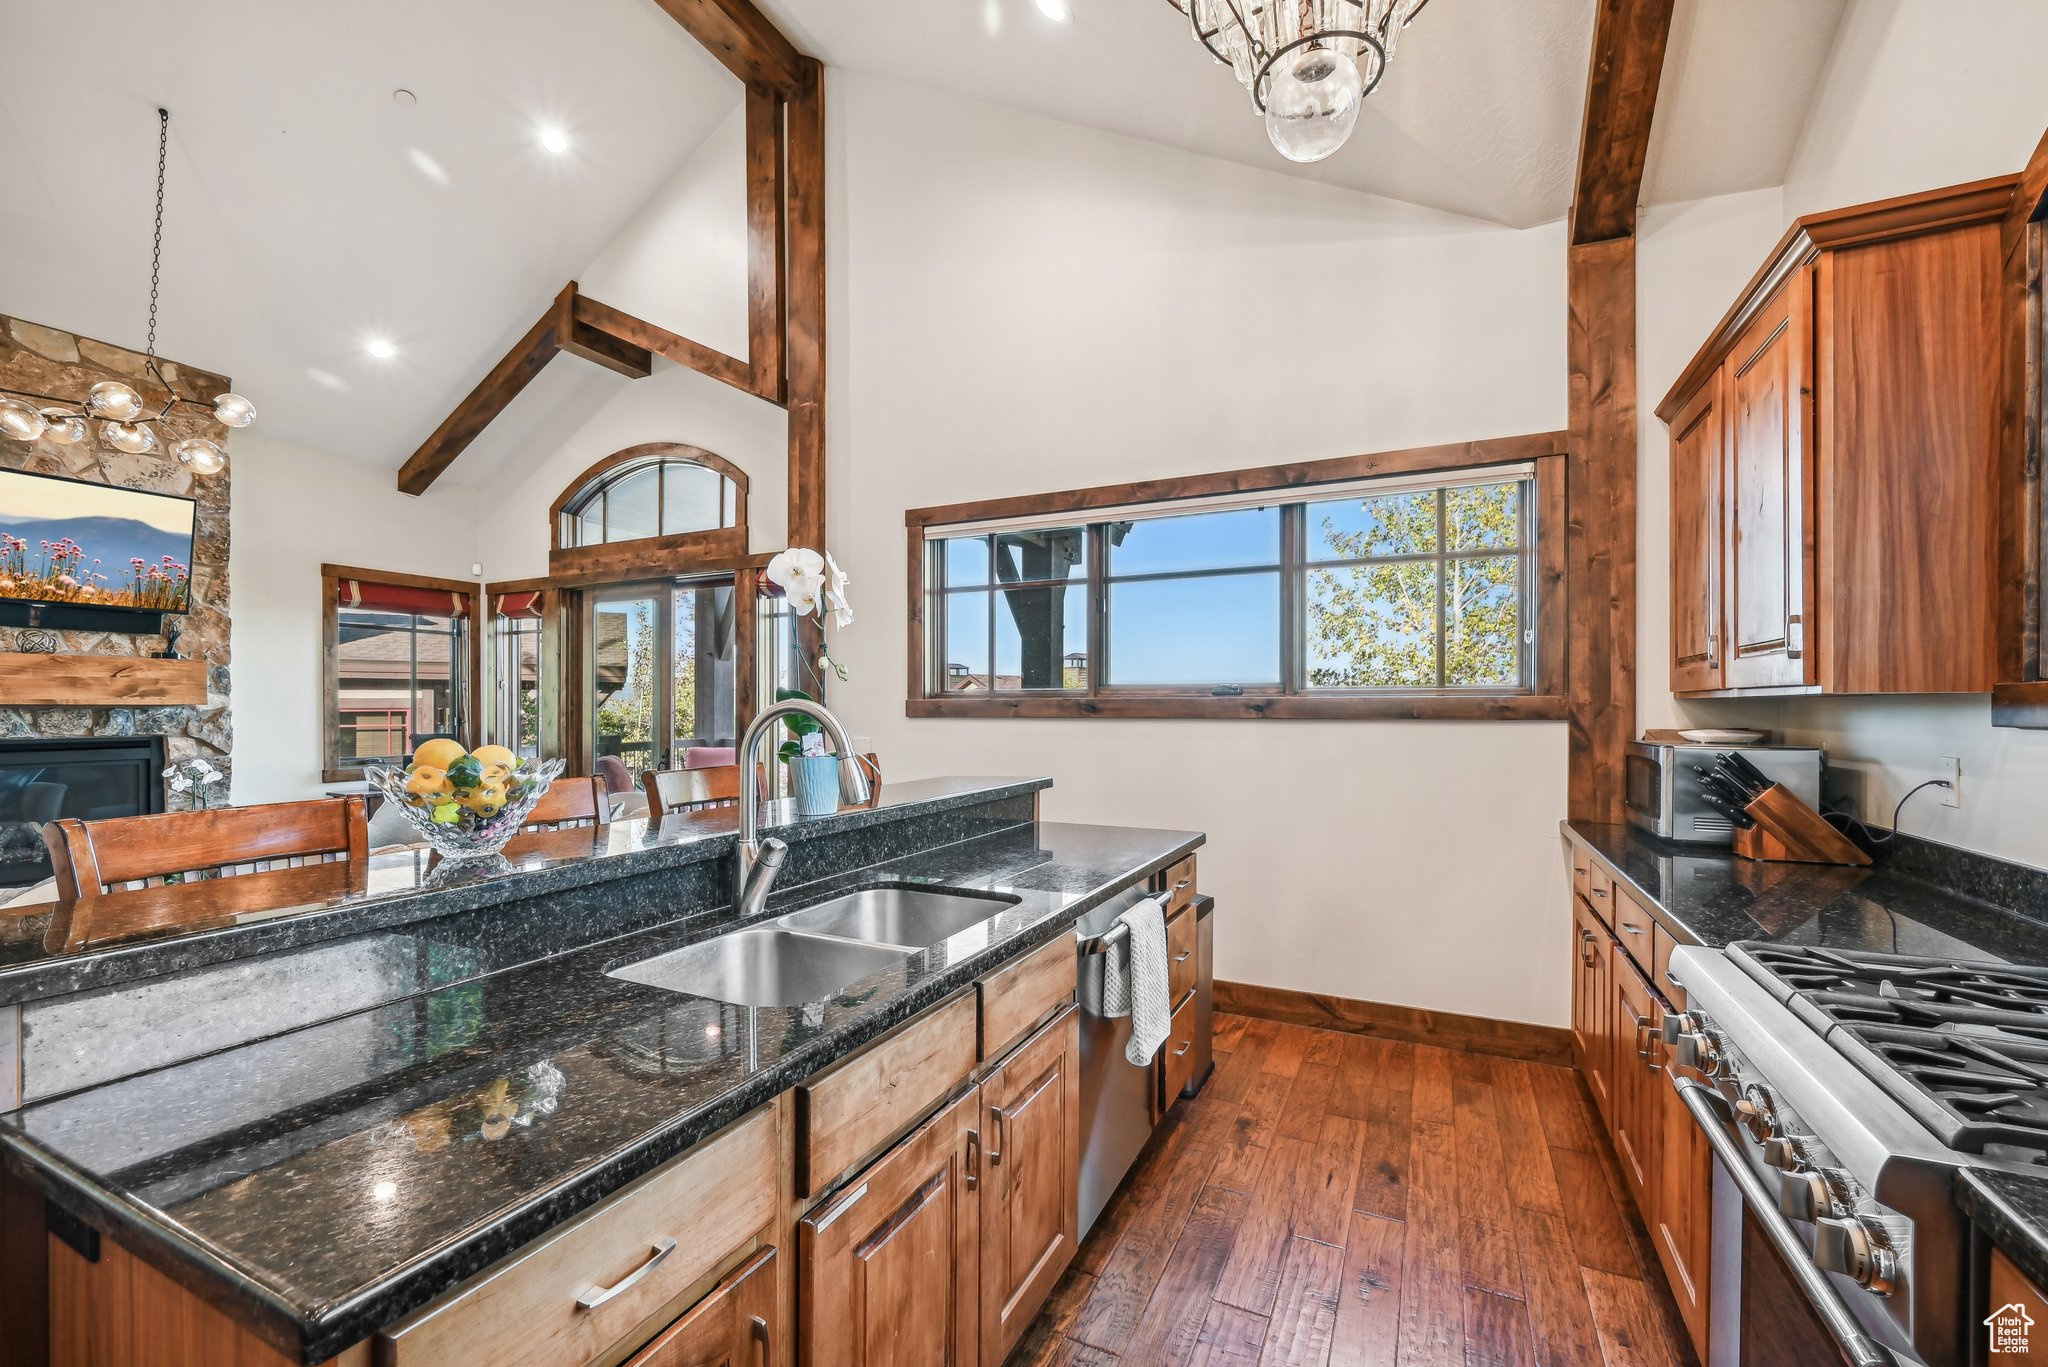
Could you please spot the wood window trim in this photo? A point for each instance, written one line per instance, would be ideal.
(612, 562)
(1297, 482)
(331, 577)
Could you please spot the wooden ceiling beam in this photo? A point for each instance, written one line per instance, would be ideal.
(621, 327)
(1629, 39)
(743, 39)
(527, 358)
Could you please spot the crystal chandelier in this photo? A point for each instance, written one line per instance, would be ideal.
(124, 422)
(1309, 64)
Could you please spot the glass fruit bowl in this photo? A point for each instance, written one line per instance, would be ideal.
(476, 818)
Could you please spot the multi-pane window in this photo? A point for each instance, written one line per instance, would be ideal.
(655, 497)
(1377, 587)
(398, 676)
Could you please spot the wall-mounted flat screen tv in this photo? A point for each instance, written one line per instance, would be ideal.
(65, 541)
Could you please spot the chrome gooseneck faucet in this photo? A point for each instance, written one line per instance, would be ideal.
(757, 861)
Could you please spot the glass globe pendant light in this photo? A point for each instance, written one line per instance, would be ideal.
(124, 420)
(1307, 64)
(1312, 103)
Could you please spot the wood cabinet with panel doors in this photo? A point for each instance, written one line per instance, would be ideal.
(1834, 460)
(1621, 992)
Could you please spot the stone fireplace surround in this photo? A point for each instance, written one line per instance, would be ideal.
(47, 360)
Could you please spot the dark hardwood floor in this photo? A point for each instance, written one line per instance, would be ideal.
(1333, 1199)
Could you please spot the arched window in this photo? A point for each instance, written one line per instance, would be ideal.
(685, 507)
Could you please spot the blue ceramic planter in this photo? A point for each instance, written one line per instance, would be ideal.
(816, 781)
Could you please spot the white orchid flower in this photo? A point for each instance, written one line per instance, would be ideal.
(835, 593)
(800, 573)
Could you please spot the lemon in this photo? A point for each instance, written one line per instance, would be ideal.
(486, 801)
(496, 754)
(426, 782)
(438, 754)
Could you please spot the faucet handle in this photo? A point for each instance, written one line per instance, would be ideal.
(773, 851)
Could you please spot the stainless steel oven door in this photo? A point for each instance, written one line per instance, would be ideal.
(1771, 1306)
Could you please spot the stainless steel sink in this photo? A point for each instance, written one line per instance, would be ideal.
(763, 967)
(915, 918)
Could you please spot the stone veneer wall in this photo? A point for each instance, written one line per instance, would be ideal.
(49, 361)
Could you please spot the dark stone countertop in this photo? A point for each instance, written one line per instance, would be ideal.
(2012, 1208)
(334, 1178)
(407, 885)
(1710, 897)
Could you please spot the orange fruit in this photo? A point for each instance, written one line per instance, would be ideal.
(438, 754)
(426, 781)
(496, 754)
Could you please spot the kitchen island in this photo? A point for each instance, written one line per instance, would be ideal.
(321, 1174)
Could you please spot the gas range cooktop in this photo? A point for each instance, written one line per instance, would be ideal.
(1962, 1046)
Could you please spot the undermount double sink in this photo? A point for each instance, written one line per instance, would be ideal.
(810, 954)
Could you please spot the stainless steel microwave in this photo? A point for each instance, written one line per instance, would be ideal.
(1663, 787)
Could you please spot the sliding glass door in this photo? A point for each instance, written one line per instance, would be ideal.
(660, 674)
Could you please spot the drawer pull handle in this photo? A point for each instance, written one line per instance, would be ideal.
(598, 1295)
(973, 1165)
(1628, 929)
(1599, 892)
(1183, 956)
(759, 1328)
(1184, 1047)
(1183, 885)
(999, 1122)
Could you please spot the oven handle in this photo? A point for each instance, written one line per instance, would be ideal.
(1705, 1104)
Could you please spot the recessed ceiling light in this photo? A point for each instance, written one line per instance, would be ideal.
(404, 98)
(1056, 10)
(381, 348)
(554, 139)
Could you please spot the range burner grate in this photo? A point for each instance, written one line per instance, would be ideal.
(1962, 1045)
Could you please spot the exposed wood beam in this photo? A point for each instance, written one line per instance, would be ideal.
(742, 38)
(1600, 523)
(623, 327)
(767, 153)
(1629, 38)
(579, 338)
(527, 358)
(805, 358)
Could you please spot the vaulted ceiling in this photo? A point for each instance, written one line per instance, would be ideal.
(310, 210)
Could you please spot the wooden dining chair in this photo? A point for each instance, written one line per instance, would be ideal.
(571, 802)
(129, 875)
(690, 790)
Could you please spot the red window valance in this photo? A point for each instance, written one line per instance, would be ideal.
(365, 593)
(517, 604)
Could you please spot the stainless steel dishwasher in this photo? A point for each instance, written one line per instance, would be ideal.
(1116, 1096)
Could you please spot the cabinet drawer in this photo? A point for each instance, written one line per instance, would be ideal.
(648, 1244)
(1582, 870)
(1177, 1055)
(1600, 892)
(739, 1313)
(1178, 883)
(1635, 928)
(1022, 993)
(1180, 956)
(850, 1110)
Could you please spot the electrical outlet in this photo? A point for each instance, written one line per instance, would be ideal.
(1952, 770)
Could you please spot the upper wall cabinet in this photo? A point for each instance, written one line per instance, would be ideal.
(1834, 454)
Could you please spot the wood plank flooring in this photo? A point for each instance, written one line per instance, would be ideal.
(1333, 1200)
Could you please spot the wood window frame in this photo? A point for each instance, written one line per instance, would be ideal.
(1292, 483)
(331, 577)
(653, 556)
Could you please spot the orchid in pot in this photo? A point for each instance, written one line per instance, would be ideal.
(811, 582)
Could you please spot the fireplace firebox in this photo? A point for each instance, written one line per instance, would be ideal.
(42, 780)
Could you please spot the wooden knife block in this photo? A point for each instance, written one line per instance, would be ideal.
(1789, 831)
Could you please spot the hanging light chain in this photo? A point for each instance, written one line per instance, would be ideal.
(156, 242)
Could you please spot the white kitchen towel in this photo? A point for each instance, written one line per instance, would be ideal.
(1134, 979)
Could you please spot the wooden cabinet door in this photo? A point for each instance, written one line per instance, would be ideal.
(1698, 527)
(1768, 598)
(1635, 1116)
(1682, 1229)
(1031, 1183)
(734, 1326)
(1592, 1003)
(889, 1270)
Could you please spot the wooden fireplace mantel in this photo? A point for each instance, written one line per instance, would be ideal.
(100, 681)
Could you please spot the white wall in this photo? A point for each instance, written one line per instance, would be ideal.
(295, 509)
(1020, 306)
(1917, 94)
